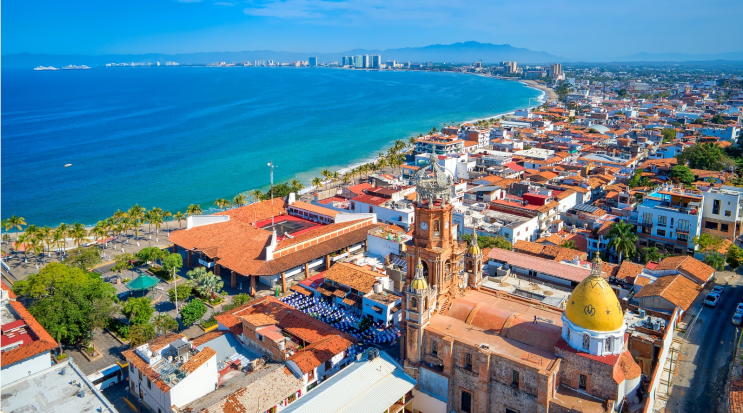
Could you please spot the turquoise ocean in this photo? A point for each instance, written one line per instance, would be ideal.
(171, 136)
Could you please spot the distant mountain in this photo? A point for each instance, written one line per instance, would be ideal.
(681, 57)
(466, 52)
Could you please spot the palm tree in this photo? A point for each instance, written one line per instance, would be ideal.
(98, 231)
(622, 238)
(194, 209)
(178, 216)
(715, 260)
(78, 233)
(58, 239)
(239, 200)
(296, 185)
(222, 203)
(21, 240)
(346, 178)
(316, 182)
(569, 244)
(156, 220)
(257, 195)
(411, 140)
(326, 174)
(136, 215)
(651, 254)
(59, 331)
(46, 234)
(335, 176)
(166, 215)
(205, 282)
(35, 244)
(164, 323)
(15, 222)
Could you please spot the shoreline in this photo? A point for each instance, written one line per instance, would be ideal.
(210, 208)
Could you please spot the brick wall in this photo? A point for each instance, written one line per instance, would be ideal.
(600, 381)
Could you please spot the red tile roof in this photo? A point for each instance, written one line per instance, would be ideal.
(689, 266)
(257, 212)
(42, 342)
(530, 262)
(676, 289)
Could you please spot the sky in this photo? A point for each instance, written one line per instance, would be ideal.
(570, 29)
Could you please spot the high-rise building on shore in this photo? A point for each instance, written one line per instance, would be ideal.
(509, 67)
(313, 62)
(359, 62)
(555, 70)
(376, 61)
(366, 61)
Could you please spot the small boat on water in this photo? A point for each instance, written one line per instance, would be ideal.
(75, 67)
(38, 68)
(68, 165)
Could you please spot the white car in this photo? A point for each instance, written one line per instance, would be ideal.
(718, 290)
(711, 300)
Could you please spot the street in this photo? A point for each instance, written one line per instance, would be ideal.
(706, 354)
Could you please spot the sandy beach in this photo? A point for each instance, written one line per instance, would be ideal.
(551, 95)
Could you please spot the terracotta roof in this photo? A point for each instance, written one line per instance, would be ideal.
(241, 246)
(626, 368)
(257, 212)
(11, 294)
(319, 232)
(42, 343)
(530, 262)
(353, 276)
(689, 266)
(196, 361)
(164, 340)
(628, 271)
(676, 289)
(319, 352)
(736, 397)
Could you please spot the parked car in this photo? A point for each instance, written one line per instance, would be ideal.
(739, 309)
(711, 300)
(737, 318)
(718, 290)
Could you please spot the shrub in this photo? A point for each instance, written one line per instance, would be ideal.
(184, 293)
(192, 312)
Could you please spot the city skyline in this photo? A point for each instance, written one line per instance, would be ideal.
(323, 27)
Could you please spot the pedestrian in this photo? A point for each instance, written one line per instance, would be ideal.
(535, 319)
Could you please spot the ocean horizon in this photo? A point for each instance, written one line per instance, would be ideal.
(171, 136)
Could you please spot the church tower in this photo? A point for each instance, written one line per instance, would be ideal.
(420, 304)
(433, 244)
(473, 263)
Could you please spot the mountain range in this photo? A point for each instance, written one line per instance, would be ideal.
(464, 52)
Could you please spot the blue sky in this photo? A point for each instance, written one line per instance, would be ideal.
(572, 29)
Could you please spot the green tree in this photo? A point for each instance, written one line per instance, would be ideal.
(734, 257)
(136, 215)
(490, 242)
(240, 299)
(164, 323)
(138, 310)
(622, 238)
(184, 293)
(172, 263)
(150, 254)
(140, 334)
(239, 200)
(123, 262)
(651, 254)
(669, 134)
(682, 173)
(205, 282)
(707, 156)
(192, 312)
(63, 295)
(569, 244)
(83, 258)
(17, 223)
(715, 260)
(707, 242)
(634, 181)
(194, 209)
(718, 119)
(178, 216)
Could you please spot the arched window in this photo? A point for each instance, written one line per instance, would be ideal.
(609, 343)
(425, 303)
(568, 340)
(436, 228)
(479, 266)
(447, 270)
(586, 341)
(434, 348)
(413, 303)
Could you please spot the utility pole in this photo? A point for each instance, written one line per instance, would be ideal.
(271, 165)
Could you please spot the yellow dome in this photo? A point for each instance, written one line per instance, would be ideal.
(593, 305)
(473, 250)
(419, 284)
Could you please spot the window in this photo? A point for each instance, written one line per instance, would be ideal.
(582, 381)
(149, 383)
(371, 209)
(436, 227)
(608, 344)
(710, 225)
(413, 303)
(468, 361)
(661, 232)
(647, 218)
(662, 220)
(259, 337)
(724, 227)
(716, 207)
(728, 213)
(514, 378)
(511, 410)
(568, 340)
(683, 225)
(466, 402)
(434, 348)
(586, 341)
(682, 237)
(328, 365)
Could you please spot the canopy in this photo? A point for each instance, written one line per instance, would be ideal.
(143, 282)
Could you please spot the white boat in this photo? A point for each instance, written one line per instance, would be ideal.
(75, 67)
(45, 68)
(68, 165)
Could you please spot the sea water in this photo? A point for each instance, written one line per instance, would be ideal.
(171, 136)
